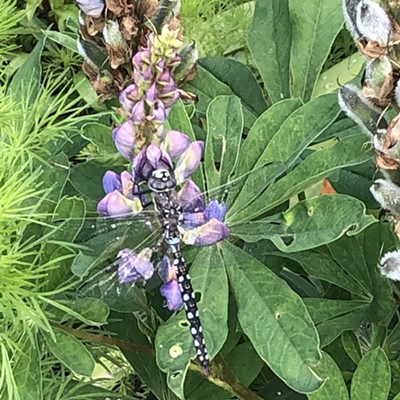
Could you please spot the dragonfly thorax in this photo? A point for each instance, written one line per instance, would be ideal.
(161, 180)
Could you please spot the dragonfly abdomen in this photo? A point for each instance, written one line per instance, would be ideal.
(191, 310)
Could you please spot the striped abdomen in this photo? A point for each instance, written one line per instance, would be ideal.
(192, 312)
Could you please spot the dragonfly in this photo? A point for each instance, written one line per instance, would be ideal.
(165, 225)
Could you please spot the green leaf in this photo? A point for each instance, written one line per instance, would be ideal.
(286, 146)
(334, 386)
(352, 346)
(275, 320)
(87, 92)
(240, 79)
(125, 326)
(323, 266)
(25, 85)
(55, 174)
(269, 39)
(174, 342)
(87, 179)
(27, 376)
(61, 38)
(224, 133)
(262, 132)
(245, 363)
(371, 380)
(315, 25)
(71, 352)
(179, 120)
(338, 75)
(330, 330)
(91, 311)
(308, 224)
(359, 257)
(325, 309)
(100, 135)
(208, 87)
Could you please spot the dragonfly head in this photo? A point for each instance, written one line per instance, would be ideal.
(161, 180)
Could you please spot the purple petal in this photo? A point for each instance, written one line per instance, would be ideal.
(191, 197)
(141, 59)
(124, 138)
(215, 209)
(189, 161)
(151, 94)
(134, 266)
(175, 143)
(193, 220)
(210, 233)
(172, 294)
(138, 112)
(148, 160)
(116, 205)
(165, 270)
(93, 8)
(157, 112)
(129, 96)
(111, 182)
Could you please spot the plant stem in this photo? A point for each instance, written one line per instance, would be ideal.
(225, 379)
(105, 340)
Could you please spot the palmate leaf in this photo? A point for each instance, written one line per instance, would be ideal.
(349, 263)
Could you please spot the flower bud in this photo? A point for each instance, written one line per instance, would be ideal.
(373, 22)
(350, 17)
(172, 294)
(389, 265)
(116, 45)
(189, 56)
(94, 55)
(124, 139)
(361, 110)
(377, 72)
(387, 194)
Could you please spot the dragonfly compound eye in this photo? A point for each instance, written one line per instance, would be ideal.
(161, 180)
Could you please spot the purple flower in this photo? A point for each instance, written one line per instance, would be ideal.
(139, 112)
(133, 266)
(119, 200)
(215, 209)
(124, 138)
(168, 91)
(115, 204)
(189, 161)
(93, 8)
(170, 288)
(142, 67)
(175, 143)
(172, 294)
(204, 224)
(129, 97)
(148, 160)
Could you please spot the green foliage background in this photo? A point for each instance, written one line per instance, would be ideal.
(292, 301)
